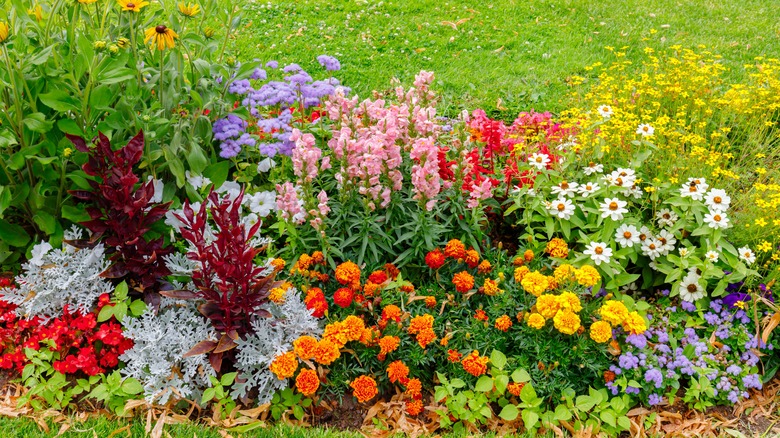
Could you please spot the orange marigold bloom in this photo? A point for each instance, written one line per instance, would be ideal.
(528, 255)
(370, 289)
(353, 327)
(484, 267)
(414, 388)
(284, 365)
(336, 333)
(520, 273)
(503, 323)
(307, 382)
(609, 376)
(326, 352)
(397, 371)
(391, 270)
(435, 259)
(303, 263)
(425, 337)
(305, 347)
(391, 312)
(430, 301)
(278, 264)
(444, 341)
(348, 273)
(515, 388)
(420, 323)
(377, 277)
(463, 282)
(454, 355)
(414, 407)
(518, 261)
(343, 297)
(367, 337)
(407, 288)
(557, 248)
(490, 287)
(318, 257)
(388, 344)
(552, 283)
(480, 315)
(472, 258)
(276, 295)
(475, 364)
(315, 301)
(364, 388)
(455, 249)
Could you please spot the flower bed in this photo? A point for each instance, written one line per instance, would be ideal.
(263, 243)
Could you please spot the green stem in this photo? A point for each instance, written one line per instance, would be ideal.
(162, 101)
(228, 28)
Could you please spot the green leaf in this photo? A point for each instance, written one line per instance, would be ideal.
(75, 214)
(36, 122)
(520, 375)
(60, 100)
(608, 417)
(528, 394)
(102, 97)
(120, 293)
(137, 307)
(13, 234)
(498, 359)
(45, 221)
(228, 379)
(562, 413)
(484, 384)
(131, 386)
(624, 423)
(208, 394)
(501, 383)
(69, 126)
(509, 413)
(530, 418)
(105, 313)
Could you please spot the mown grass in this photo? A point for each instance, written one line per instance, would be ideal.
(517, 51)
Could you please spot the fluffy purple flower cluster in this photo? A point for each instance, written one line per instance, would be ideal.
(231, 131)
(668, 354)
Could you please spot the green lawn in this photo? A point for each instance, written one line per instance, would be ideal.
(518, 51)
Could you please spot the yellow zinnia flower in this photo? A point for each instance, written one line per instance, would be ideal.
(3, 31)
(132, 5)
(160, 36)
(189, 10)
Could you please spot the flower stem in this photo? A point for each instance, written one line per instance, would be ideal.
(162, 101)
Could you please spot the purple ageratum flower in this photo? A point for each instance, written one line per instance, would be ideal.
(723, 384)
(230, 127)
(330, 63)
(654, 376)
(663, 337)
(628, 361)
(716, 305)
(268, 149)
(229, 149)
(240, 87)
(272, 64)
(299, 78)
(632, 390)
(688, 307)
(290, 68)
(734, 370)
(752, 381)
(712, 318)
(733, 396)
(655, 399)
(638, 341)
(259, 74)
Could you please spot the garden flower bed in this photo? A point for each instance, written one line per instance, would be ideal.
(191, 237)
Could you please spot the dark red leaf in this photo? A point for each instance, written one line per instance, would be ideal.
(225, 344)
(201, 347)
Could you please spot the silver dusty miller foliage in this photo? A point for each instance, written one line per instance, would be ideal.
(160, 341)
(56, 277)
(269, 338)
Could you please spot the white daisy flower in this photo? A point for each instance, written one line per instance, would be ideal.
(693, 191)
(540, 161)
(593, 168)
(613, 208)
(645, 130)
(717, 200)
(747, 255)
(598, 252)
(716, 220)
(627, 236)
(666, 217)
(644, 234)
(587, 189)
(565, 189)
(667, 240)
(712, 256)
(684, 252)
(651, 247)
(561, 207)
(605, 111)
(622, 178)
(690, 289)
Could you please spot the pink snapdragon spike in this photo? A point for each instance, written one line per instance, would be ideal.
(425, 172)
(480, 192)
(306, 157)
(288, 204)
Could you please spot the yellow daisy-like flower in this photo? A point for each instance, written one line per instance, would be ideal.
(37, 12)
(161, 37)
(600, 331)
(4, 31)
(189, 10)
(132, 5)
(536, 321)
(567, 322)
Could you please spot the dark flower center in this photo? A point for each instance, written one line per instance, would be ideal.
(161, 29)
(692, 288)
(131, 5)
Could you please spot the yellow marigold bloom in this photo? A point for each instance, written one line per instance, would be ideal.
(528, 255)
(132, 5)
(278, 264)
(503, 323)
(535, 283)
(536, 321)
(284, 365)
(634, 324)
(614, 312)
(564, 273)
(566, 321)
(552, 283)
(484, 267)
(491, 287)
(548, 305)
(520, 273)
(160, 37)
(277, 295)
(455, 249)
(348, 273)
(305, 347)
(336, 333)
(557, 248)
(353, 327)
(569, 300)
(4, 31)
(475, 364)
(600, 331)
(587, 276)
(189, 10)
(326, 352)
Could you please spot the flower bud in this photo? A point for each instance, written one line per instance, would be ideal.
(208, 32)
(113, 48)
(99, 45)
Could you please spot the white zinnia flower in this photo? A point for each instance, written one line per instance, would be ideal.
(712, 256)
(540, 161)
(716, 220)
(651, 247)
(565, 189)
(666, 217)
(605, 111)
(690, 289)
(747, 255)
(613, 208)
(667, 240)
(694, 188)
(588, 189)
(598, 252)
(561, 207)
(627, 235)
(593, 168)
(645, 130)
(717, 200)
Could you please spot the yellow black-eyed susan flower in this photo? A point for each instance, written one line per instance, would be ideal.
(132, 5)
(189, 10)
(161, 37)
(4, 31)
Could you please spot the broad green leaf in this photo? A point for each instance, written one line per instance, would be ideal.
(498, 359)
(530, 418)
(484, 384)
(509, 412)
